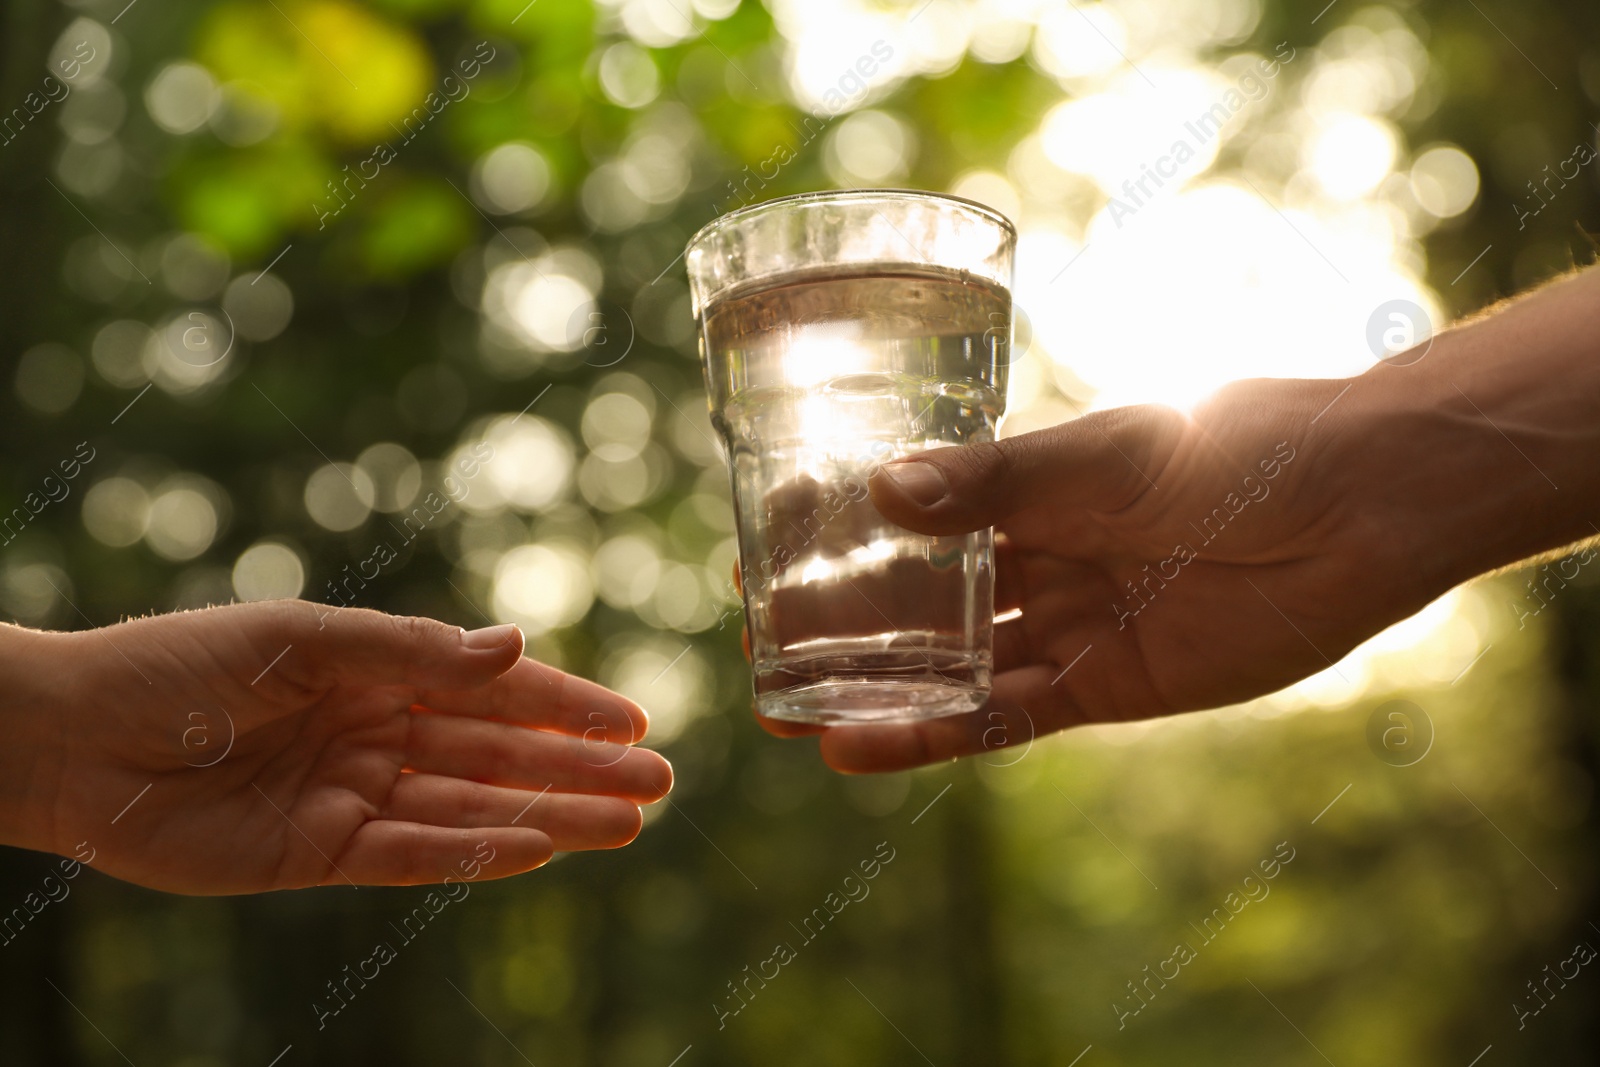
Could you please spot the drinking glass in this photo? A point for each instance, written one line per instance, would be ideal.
(839, 331)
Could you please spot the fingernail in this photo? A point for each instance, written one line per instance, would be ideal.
(490, 637)
(922, 482)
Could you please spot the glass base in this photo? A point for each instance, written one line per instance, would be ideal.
(847, 700)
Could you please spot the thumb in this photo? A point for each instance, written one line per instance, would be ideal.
(1100, 462)
(318, 646)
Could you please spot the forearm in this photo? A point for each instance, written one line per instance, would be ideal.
(30, 727)
(1502, 420)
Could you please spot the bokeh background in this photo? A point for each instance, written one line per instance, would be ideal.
(276, 300)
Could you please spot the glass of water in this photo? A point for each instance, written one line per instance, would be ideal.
(839, 331)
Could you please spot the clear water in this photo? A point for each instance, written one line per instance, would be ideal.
(816, 379)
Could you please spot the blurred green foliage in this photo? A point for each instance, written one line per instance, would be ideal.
(1023, 900)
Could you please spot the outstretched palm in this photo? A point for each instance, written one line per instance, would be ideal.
(272, 746)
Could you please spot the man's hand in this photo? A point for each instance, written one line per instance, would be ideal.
(286, 744)
(1160, 563)
(1165, 562)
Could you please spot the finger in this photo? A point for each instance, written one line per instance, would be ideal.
(407, 853)
(317, 647)
(1064, 600)
(513, 756)
(535, 694)
(744, 631)
(775, 727)
(571, 821)
(1013, 649)
(1023, 706)
(1098, 462)
(899, 596)
(786, 728)
(1010, 587)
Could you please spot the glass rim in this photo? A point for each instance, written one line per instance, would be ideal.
(721, 222)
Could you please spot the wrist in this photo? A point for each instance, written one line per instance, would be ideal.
(1486, 445)
(31, 753)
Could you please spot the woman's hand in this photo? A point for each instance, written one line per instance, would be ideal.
(287, 744)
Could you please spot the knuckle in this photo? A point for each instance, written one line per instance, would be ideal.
(416, 632)
(984, 463)
(277, 618)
